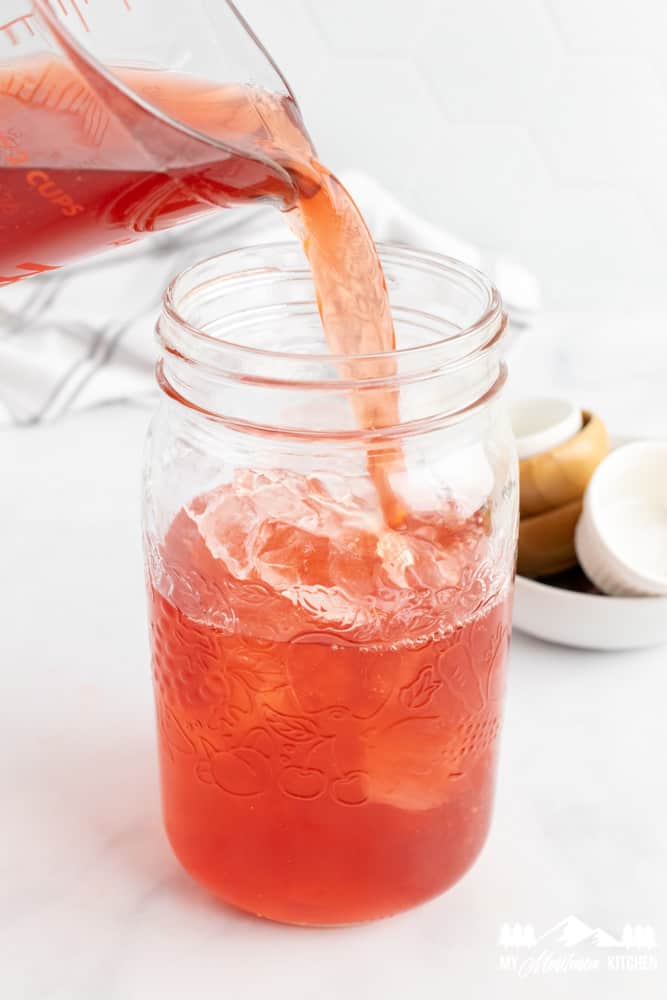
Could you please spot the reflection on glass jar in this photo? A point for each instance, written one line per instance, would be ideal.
(328, 688)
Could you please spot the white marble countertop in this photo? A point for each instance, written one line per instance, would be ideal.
(92, 904)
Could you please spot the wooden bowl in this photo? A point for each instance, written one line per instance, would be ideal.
(546, 541)
(558, 477)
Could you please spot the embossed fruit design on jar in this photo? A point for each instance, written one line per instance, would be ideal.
(329, 688)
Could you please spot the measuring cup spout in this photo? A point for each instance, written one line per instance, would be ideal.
(120, 47)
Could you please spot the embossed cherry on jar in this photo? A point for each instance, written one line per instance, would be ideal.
(329, 688)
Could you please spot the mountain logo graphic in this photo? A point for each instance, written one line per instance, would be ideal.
(573, 932)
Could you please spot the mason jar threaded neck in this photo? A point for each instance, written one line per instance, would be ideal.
(242, 343)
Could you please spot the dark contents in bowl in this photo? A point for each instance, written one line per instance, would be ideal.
(572, 579)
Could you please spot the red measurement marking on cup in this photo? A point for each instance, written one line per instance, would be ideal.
(35, 268)
(13, 29)
(18, 26)
(75, 9)
(68, 7)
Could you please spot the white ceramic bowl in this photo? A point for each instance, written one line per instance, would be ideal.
(589, 621)
(541, 424)
(621, 537)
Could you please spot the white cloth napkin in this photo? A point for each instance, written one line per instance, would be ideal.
(83, 336)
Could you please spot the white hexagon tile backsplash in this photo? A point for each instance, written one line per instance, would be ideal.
(534, 127)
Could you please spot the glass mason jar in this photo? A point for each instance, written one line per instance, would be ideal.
(328, 687)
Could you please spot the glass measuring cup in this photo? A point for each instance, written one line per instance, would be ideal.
(116, 121)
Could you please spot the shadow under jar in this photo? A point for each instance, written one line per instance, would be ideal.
(328, 688)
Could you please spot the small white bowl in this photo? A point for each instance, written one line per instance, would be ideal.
(621, 537)
(588, 621)
(542, 424)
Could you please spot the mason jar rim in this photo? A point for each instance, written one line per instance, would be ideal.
(264, 292)
(490, 316)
